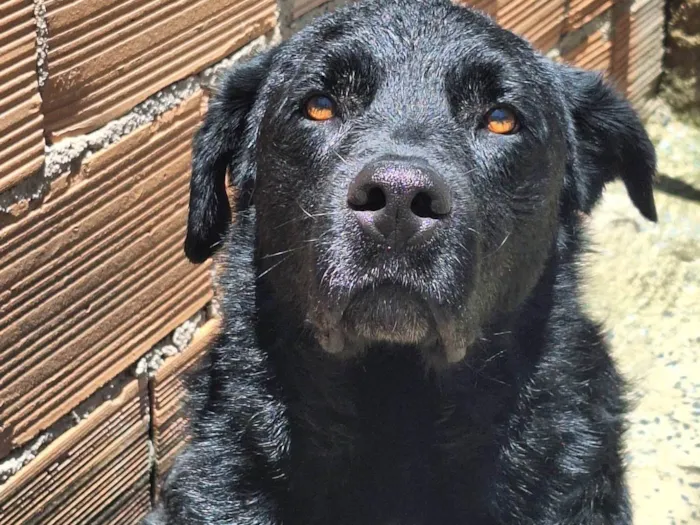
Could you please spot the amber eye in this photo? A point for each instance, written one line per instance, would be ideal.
(502, 121)
(319, 107)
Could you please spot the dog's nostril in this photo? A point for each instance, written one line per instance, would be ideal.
(422, 205)
(375, 201)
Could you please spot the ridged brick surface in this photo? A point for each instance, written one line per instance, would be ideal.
(540, 21)
(95, 473)
(582, 12)
(105, 56)
(96, 276)
(169, 422)
(638, 49)
(487, 6)
(301, 7)
(594, 53)
(21, 138)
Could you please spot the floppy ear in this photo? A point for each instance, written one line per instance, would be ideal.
(220, 144)
(609, 142)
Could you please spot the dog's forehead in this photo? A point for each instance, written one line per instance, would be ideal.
(430, 33)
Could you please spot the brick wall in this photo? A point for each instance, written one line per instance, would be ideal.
(100, 313)
(682, 79)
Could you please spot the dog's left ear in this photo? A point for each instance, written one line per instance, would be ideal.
(609, 142)
(224, 141)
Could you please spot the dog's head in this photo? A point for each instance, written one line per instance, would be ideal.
(410, 164)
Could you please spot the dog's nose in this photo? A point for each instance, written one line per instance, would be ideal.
(399, 202)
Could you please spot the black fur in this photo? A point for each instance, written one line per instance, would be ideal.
(456, 383)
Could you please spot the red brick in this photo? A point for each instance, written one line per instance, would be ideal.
(301, 7)
(169, 422)
(105, 56)
(638, 49)
(487, 6)
(540, 21)
(594, 53)
(581, 12)
(96, 472)
(21, 135)
(96, 276)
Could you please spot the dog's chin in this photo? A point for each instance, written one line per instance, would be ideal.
(392, 316)
(388, 314)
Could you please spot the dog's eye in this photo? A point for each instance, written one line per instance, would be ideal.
(319, 107)
(502, 121)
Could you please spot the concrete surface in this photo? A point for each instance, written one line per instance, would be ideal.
(645, 286)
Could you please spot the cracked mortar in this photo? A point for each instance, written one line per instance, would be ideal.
(210, 76)
(66, 156)
(17, 459)
(42, 43)
(172, 345)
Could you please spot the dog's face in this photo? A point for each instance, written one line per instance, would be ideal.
(411, 165)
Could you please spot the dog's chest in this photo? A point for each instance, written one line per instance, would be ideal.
(404, 461)
(402, 482)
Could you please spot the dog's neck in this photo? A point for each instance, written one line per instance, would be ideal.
(390, 424)
(385, 379)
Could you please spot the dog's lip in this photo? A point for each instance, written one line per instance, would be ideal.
(381, 290)
(450, 337)
(383, 287)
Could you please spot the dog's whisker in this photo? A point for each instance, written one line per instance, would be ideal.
(300, 246)
(306, 216)
(494, 356)
(263, 274)
(340, 157)
(309, 215)
(503, 242)
(479, 372)
(279, 254)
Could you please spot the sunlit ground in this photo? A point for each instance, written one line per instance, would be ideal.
(645, 286)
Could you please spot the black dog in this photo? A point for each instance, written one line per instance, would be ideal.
(404, 342)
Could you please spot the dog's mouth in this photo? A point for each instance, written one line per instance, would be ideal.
(394, 315)
(388, 313)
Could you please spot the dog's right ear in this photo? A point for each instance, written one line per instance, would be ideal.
(220, 144)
